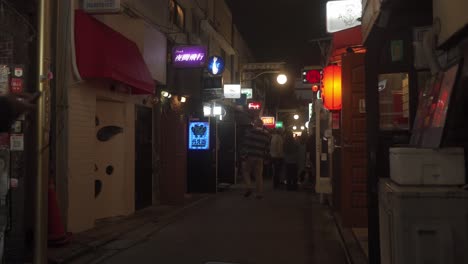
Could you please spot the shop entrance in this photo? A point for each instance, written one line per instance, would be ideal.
(143, 157)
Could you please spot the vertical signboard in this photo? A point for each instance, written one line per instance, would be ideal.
(199, 135)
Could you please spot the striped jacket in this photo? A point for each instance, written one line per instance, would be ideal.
(256, 143)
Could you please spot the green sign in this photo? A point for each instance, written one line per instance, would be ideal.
(279, 124)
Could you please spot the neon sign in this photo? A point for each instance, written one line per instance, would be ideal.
(215, 65)
(199, 135)
(255, 106)
(268, 121)
(189, 56)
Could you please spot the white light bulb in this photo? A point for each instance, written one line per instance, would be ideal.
(294, 127)
(296, 116)
(282, 79)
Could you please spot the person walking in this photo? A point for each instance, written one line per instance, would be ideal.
(255, 148)
(291, 158)
(277, 157)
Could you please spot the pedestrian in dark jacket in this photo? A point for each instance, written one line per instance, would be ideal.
(291, 159)
(255, 148)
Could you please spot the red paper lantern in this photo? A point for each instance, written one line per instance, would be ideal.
(331, 89)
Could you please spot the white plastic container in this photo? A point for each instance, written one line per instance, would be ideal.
(422, 224)
(415, 166)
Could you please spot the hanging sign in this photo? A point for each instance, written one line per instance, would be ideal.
(199, 135)
(189, 56)
(232, 91)
(216, 65)
(343, 14)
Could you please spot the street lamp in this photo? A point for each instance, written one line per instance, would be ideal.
(296, 116)
(282, 79)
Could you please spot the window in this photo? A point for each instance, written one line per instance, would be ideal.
(176, 14)
(394, 101)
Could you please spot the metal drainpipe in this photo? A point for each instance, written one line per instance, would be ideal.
(43, 131)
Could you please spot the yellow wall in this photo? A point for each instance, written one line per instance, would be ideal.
(82, 153)
(82, 132)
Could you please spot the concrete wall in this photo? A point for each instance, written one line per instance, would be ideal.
(452, 14)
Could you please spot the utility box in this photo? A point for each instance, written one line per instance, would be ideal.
(416, 166)
(422, 225)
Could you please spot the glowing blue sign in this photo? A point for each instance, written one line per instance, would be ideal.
(216, 65)
(199, 135)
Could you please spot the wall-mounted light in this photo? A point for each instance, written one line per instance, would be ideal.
(296, 116)
(183, 99)
(302, 127)
(217, 110)
(295, 127)
(165, 94)
(207, 110)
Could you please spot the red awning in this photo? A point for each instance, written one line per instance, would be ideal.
(101, 52)
(351, 37)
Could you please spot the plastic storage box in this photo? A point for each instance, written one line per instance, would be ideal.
(421, 225)
(413, 166)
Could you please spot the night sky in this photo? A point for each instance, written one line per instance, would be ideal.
(280, 30)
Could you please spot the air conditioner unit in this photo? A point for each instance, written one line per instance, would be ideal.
(101, 6)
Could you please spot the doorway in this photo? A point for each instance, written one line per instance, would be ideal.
(227, 153)
(143, 157)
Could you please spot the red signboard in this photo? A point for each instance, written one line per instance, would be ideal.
(255, 106)
(16, 85)
(313, 76)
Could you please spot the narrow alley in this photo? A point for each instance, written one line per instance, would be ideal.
(283, 227)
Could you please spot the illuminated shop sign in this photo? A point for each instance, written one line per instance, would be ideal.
(189, 56)
(232, 91)
(343, 14)
(268, 121)
(279, 124)
(216, 65)
(199, 135)
(255, 106)
(248, 92)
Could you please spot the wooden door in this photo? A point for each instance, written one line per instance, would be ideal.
(173, 180)
(110, 159)
(143, 157)
(353, 138)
